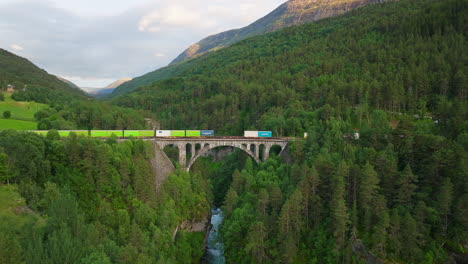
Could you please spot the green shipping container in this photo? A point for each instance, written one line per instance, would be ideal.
(80, 133)
(177, 133)
(64, 133)
(106, 133)
(131, 133)
(193, 133)
(146, 133)
(42, 133)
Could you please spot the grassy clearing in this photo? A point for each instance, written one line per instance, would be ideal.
(22, 114)
(11, 199)
(17, 124)
(20, 110)
(13, 210)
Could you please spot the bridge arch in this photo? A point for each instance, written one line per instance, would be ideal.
(206, 149)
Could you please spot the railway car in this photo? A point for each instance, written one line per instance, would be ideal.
(258, 134)
(184, 133)
(207, 133)
(192, 133)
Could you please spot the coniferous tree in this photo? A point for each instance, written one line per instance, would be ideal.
(406, 186)
(368, 188)
(340, 216)
(445, 198)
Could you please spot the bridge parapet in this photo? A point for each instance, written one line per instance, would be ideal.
(200, 146)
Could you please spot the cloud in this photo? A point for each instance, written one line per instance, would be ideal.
(16, 47)
(129, 41)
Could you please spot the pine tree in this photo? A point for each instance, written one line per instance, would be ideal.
(368, 188)
(406, 186)
(255, 245)
(409, 238)
(445, 202)
(340, 216)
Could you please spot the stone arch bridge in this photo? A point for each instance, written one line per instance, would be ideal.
(199, 146)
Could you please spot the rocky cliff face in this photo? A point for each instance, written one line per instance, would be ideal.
(293, 12)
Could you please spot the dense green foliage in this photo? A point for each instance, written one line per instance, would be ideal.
(6, 114)
(89, 114)
(402, 56)
(96, 202)
(398, 195)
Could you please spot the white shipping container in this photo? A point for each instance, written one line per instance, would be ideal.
(163, 133)
(250, 133)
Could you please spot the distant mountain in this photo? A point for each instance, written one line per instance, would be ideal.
(72, 85)
(293, 12)
(117, 83)
(25, 76)
(106, 90)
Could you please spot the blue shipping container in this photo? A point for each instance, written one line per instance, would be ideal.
(265, 134)
(207, 133)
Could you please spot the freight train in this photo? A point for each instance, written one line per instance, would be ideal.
(149, 133)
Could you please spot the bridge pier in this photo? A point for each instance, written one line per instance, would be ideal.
(182, 154)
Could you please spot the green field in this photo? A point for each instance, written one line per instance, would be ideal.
(20, 110)
(17, 124)
(22, 114)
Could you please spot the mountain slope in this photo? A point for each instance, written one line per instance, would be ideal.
(106, 90)
(22, 73)
(117, 83)
(293, 12)
(68, 107)
(402, 56)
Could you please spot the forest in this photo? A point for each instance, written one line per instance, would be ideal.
(395, 73)
(94, 201)
(401, 56)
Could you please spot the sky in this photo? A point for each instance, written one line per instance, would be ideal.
(96, 42)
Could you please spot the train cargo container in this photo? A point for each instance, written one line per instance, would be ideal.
(139, 133)
(66, 133)
(207, 133)
(146, 133)
(250, 133)
(192, 133)
(163, 133)
(106, 133)
(258, 134)
(40, 132)
(177, 133)
(265, 134)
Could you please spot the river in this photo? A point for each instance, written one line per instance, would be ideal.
(214, 247)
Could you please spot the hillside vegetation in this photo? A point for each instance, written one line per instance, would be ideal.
(293, 12)
(405, 56)
(68, 108)
(23, 74)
